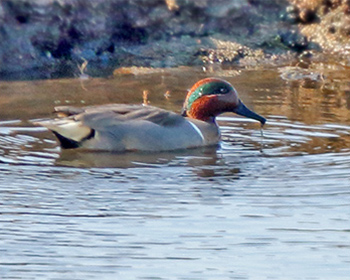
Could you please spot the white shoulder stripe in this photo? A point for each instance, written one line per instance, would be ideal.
(198, 131)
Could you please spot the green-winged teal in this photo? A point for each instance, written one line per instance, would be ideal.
(120, 127)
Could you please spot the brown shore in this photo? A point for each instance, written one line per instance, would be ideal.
(42, 39)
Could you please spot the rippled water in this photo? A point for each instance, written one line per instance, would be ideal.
(276, 207)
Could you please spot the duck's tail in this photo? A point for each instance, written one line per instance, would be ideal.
(70, 133)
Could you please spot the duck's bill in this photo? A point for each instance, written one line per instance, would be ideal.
(243, 110)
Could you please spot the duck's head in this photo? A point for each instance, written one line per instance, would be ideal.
(210, 97)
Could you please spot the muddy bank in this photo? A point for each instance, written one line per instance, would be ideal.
(325, 23)
(57, 38)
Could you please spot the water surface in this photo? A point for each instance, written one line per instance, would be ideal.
(252, 208)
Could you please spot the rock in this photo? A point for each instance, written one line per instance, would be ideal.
(331, 29)
(52, 38)
(294, 40)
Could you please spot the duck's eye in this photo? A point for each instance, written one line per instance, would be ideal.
(223, 90)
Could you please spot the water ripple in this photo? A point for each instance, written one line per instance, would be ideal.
(255, 207)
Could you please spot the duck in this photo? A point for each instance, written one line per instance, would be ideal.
(128, 127)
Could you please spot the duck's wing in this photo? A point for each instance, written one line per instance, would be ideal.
(114, 113)
(76, 125)
(119, 109)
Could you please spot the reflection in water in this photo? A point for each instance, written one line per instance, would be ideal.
(78, 158)
(84, 215)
